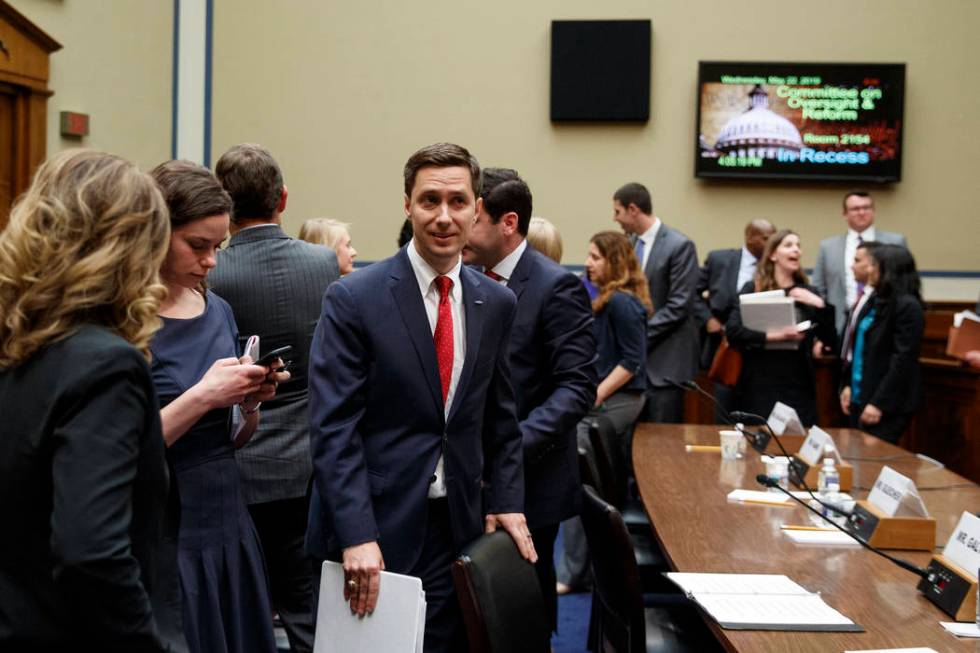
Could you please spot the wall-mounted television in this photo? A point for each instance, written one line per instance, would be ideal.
(800, 121)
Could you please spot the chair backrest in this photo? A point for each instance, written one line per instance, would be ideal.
(500, 598)
(610, 461)
(587, 467)
(617, 590)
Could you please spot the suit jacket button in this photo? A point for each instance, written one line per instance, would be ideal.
(432, 479)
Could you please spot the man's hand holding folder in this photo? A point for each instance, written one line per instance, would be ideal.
(362, 577)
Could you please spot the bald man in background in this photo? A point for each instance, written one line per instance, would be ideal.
(723, 273)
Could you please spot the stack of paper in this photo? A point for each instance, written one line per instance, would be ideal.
(396, 626)
(761, 602)
(762, 311)
(964, 335)
(820, 537)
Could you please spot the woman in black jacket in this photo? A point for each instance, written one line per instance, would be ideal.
(87, 558)
(784, 375)
(881, 387)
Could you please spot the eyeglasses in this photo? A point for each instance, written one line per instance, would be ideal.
(862, 207)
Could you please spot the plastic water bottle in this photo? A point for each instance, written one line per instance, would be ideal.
(828, 475)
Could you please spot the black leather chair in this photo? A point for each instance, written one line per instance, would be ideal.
(627, 621)
(500, 598)
(614, 469)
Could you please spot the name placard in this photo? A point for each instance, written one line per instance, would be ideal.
(814, 448)
(896, 496)
(963, 547)
(783, 420)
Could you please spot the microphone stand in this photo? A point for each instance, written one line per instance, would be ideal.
(759, 439)
(908, 566)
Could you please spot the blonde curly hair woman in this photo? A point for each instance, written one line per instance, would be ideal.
(83, 479)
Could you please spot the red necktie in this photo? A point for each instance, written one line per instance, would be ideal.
(493, 275)
(443, 335)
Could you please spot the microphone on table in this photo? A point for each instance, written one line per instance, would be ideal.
(908, 566)
(759, 439)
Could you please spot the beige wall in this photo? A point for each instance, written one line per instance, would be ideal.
(114, 65)
(344, 92)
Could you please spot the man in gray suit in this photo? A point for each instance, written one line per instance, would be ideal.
(275, 284)
(670, 262)
(833, 275)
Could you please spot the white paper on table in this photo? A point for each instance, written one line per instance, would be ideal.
(775, 498)
(821, 538)
(918, 649)
(961, 629)
(695, 583)
(771, 609)
(396, 626)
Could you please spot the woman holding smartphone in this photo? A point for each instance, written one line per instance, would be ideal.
(210, 399)
(881, 386)
(784, 375)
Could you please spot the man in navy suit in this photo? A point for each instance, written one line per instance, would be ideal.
(724, 273)
(552, 359)
(415, 442)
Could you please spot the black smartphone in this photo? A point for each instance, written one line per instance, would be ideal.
(270, 358)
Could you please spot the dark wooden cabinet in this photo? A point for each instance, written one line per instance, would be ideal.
(24, 71)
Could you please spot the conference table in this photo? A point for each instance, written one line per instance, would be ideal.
(699, 530)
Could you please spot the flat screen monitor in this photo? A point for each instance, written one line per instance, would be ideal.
(835, 121)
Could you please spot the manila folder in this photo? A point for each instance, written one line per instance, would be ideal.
(396, 626)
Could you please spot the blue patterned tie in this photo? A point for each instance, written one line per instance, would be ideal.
(638, 247)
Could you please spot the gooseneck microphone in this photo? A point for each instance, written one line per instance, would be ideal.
(908, 566)
(760, 439)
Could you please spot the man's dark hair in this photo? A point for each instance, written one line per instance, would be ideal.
(405, 235)
(191, 192)
(856, 192)
(504, 191)
(253, 179)
(442, 155)
(634, 193)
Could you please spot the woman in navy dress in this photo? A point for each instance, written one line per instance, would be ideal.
(209, 399)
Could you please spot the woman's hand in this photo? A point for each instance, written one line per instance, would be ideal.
(270, 385)
(845, 400)
(871, 415)
(229, 382)
(804, 296)
(782, 335)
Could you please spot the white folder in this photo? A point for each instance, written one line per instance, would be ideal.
(396, 626)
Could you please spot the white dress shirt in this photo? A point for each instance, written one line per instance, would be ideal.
(426, 276)
(746, 268)
(505, 268)
(850, 249)
(648, 237)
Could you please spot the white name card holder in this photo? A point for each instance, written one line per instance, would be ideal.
(783, 420)
(809, 459)
(952, 583)
(894, 516)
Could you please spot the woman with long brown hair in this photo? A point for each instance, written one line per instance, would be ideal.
(206, 389)
(621, 310)
(86, 561)
(785, 375)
